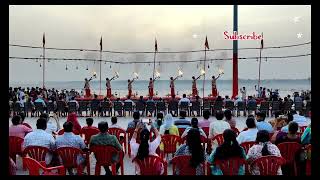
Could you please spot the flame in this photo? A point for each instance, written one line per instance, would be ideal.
(136, 74)
(202, 71)
(94, 74)
(180, 72)
(117, 74)
(157, 74)
(220, 70)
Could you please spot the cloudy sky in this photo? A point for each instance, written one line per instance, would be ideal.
(134, 28)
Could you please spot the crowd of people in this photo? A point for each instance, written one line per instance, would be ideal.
(284, 128)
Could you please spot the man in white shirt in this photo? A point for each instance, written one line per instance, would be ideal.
(129, 100)
(114, 124)
(250, 134)
(184, 99)
(218, 126)
(244, 93)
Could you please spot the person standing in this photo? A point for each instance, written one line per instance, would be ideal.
(108, 84)
(151, 86)
(172, 91)
(214, 85)
(130, 86)
(87, 87)
(244, 93)
(194, 86)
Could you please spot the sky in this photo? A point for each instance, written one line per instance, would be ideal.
(176, 28)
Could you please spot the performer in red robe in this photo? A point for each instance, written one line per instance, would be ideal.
(108, 84)
(172, 92)
(87, 87)
(130, 87)
(151, 86)
(194, 86)
(214, 86)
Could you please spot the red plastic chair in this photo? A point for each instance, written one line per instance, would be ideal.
(206, 130)
(34, 167)
(88, 132)
(37, 153)
(170, 143)
(149, 165)
(181, 130)
(268, 165)
(15, 147)
(219, 138)
(236, 130)
(289, 151)
(228, 167)
(182, 163)
(118, 132)
(69, 158)
(26, 124)
(103, 155)
(247, 145)
(308, 163)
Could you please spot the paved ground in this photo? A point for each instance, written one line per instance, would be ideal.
(122, 121)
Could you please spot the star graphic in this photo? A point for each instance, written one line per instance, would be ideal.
(296, 19)
(299, 35)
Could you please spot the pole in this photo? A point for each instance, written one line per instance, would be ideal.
(235, 54)
(100, 72)
(43, 67)
(204, 69)
(259, 69)
(154, 64)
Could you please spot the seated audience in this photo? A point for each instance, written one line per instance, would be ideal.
(289, 119)
(184, 99)
(182, 122)
(158, 122)
(263, 148)
(261, 124)
(114, 121)
(168, 127)
(193, 148)
(250, 134)
(218, 126)
(291, 136)
(306, 136)
(68, 139)
(205, 122)
(40, 137)
(17, 129)
(229, 149)
(104, 138)
(229, 118)
(145, 148)
(194, 124)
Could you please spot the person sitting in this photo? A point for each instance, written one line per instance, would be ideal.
(74, 100)
(261, 124)
(145, 148)
(306, 135)
(184, 99)
(23, 117)
(114, 121)
(89, 122)
(291, 136)
(218, 126)
(173, 100)
(250, 134)
(150, 99)
(72, 117)
(197, 100)
(182, 122)
(95, 103)
(158, 122)
(263, 148)
(104, 138)
(288, 120)
(227, 99)
(229, 149)
(68, 139)
(40, 137)
(17, 129)
(194, 124)
(229, 118)
(168, 127)
(205, 122)
(193, 147)
(301, 120)
(133, 123)
(129, 100)
(278, 122)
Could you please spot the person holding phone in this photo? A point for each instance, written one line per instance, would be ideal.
(145, 148)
